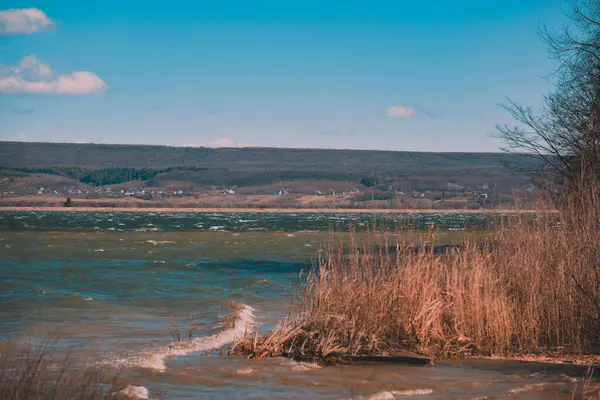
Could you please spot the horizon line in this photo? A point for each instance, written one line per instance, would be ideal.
(258, 147)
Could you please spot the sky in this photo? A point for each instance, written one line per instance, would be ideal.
(406, 75)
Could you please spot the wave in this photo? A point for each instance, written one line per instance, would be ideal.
(135, 392)
(156, 242)
(391, 395)
(299, 366)
(155, 358)
(63, 294)
(527, 388)
(245, 372)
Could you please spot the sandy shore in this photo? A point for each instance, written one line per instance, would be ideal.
(264, 210)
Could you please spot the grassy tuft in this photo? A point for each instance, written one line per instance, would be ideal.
(40, 373)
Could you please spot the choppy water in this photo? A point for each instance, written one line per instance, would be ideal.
(110, 285)
(242, 222)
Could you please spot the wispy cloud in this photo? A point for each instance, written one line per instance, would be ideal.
(400, 111)
(34, 77)
(24, 21)
(219, 142)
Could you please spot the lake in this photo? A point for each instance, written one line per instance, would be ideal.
(112, 285)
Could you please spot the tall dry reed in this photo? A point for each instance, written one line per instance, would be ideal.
(532, 287)
(38, 372)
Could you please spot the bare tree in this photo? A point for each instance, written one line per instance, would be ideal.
(565, 133)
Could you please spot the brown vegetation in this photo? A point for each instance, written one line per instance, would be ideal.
(590, 390)
(40, 373)
(532, 288)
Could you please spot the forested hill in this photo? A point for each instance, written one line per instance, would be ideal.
(248, 166)
(28, 154)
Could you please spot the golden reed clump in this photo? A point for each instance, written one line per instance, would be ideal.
(531, 287)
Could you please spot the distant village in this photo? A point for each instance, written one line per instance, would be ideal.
(454, 196)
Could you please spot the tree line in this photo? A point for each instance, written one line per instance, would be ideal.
(101, 177)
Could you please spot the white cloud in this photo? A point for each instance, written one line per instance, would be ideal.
(35, 66)
(219, 142)
(23, 20)
(33, 76)
(81, 141)
(401, 112)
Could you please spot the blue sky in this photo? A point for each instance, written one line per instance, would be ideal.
(395, 75)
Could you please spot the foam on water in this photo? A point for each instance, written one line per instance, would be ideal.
(155, 358)
(527, 388)
(394, 394)
(156, 242)
(245, 371)
(301, 366)
(135, 392)
(412, 392)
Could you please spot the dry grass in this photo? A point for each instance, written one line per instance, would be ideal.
(532, 288)
(589, 389)
(40, 373)
(182, 330)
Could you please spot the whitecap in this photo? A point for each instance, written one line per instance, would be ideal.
(301, 366)
(412, 392)
(245, 371)
(135, 392)
(155, 358)
(526, 388)
(155, 242)
(391, 395)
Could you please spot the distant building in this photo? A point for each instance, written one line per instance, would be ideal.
(227, 192)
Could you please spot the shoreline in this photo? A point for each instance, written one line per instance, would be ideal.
(584, 360)
(269, 210)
